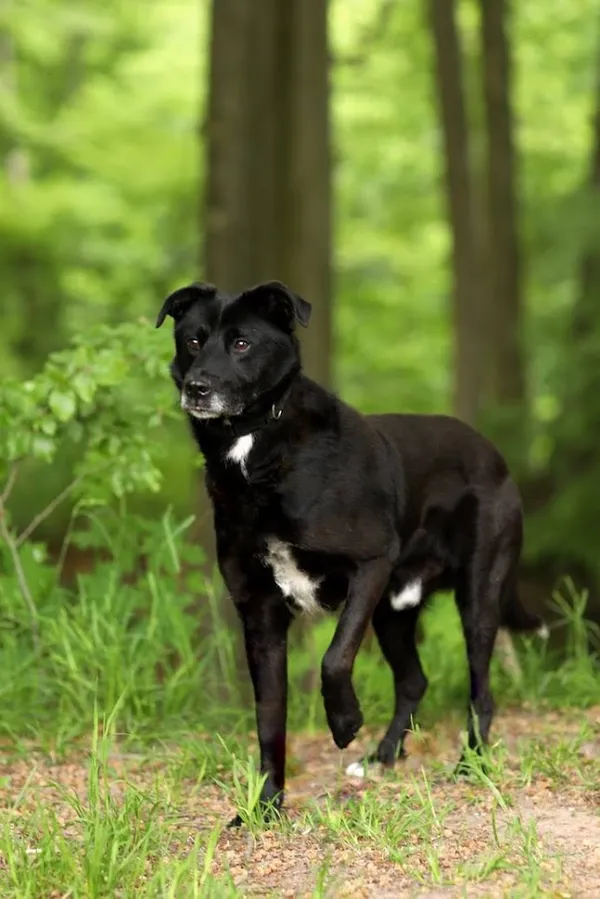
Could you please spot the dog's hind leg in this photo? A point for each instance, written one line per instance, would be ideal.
(396, 635)
(478, 597)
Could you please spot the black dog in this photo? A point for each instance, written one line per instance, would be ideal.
(316, 505)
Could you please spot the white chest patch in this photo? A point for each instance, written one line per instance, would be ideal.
(240, 451)
(408, 598)
(292, 582)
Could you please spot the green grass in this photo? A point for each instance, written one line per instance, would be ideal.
(141, 665)
(155, 641)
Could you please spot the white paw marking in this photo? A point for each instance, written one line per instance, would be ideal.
(292, 582)
(407, 598)
(356, 769)
(543, 632)
(240, 450)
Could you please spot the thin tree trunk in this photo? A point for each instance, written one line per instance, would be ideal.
(468, 215)
(459, 194)
(267, 203)
(505, 365)
(268, 197)
(227, 250)
(305, 198)
(227, 255)
(503, 376)
(585, 315)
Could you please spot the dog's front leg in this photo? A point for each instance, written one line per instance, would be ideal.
(265, 626)
(341, 705)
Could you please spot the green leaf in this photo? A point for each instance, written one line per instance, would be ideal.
(43, 448)
(62, 405)
(84, 387)
(48, 426)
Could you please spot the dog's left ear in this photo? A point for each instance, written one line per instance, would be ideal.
(280, 304)
(177, 303)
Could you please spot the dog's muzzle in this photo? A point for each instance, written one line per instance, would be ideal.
(199, 398)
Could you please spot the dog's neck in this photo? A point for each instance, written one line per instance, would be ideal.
(266, 410)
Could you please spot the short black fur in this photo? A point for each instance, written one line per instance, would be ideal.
(318, 505)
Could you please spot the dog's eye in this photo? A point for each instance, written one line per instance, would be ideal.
(193, 345)
(240, 345)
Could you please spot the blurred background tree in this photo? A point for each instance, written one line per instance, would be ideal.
(426, 173)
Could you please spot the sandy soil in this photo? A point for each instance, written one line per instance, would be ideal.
(481, 843)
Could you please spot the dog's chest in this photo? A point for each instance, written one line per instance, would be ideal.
(295, 583)
(240, 450)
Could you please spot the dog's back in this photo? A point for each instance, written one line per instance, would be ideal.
(442, 459)
(430, 443)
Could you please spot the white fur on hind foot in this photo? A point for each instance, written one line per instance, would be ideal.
(408, 598)
(356, 769)
(240, 451)
(543, 632)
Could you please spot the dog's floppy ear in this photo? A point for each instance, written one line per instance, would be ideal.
(179, 302)
(280, 304)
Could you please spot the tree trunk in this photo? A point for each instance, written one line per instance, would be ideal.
(267, 201)
(505, 376)
(266, 207)
(476, 222)
(305, 199)
(459, 193)
(585, 314)
(227, 254)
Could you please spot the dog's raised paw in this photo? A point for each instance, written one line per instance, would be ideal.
(344, 727)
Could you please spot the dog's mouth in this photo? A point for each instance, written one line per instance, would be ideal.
(211, 406)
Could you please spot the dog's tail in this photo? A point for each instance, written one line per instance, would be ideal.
(517, 619)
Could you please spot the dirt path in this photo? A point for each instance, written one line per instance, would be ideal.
(533, 830)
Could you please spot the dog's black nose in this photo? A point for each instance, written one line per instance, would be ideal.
(197, 389)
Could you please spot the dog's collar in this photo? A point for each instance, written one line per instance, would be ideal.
(248, 422)
(241, 425)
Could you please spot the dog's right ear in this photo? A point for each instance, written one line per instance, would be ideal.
(277, 302)
(180, 301)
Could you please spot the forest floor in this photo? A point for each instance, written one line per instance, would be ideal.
(104, 822)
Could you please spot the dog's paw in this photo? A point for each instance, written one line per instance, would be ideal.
(469, 766)
(387, 754)
(266, 812)
(344, 716)
(344, 725)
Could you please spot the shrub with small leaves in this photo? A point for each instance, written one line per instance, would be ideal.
(106, 394)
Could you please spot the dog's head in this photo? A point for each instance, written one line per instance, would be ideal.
(232, 350)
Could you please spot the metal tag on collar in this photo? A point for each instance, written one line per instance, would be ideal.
(276, 413)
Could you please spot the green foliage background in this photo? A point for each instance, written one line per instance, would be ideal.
(102, 145)
(101, 169)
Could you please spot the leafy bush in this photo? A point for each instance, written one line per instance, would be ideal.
(101, 398)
